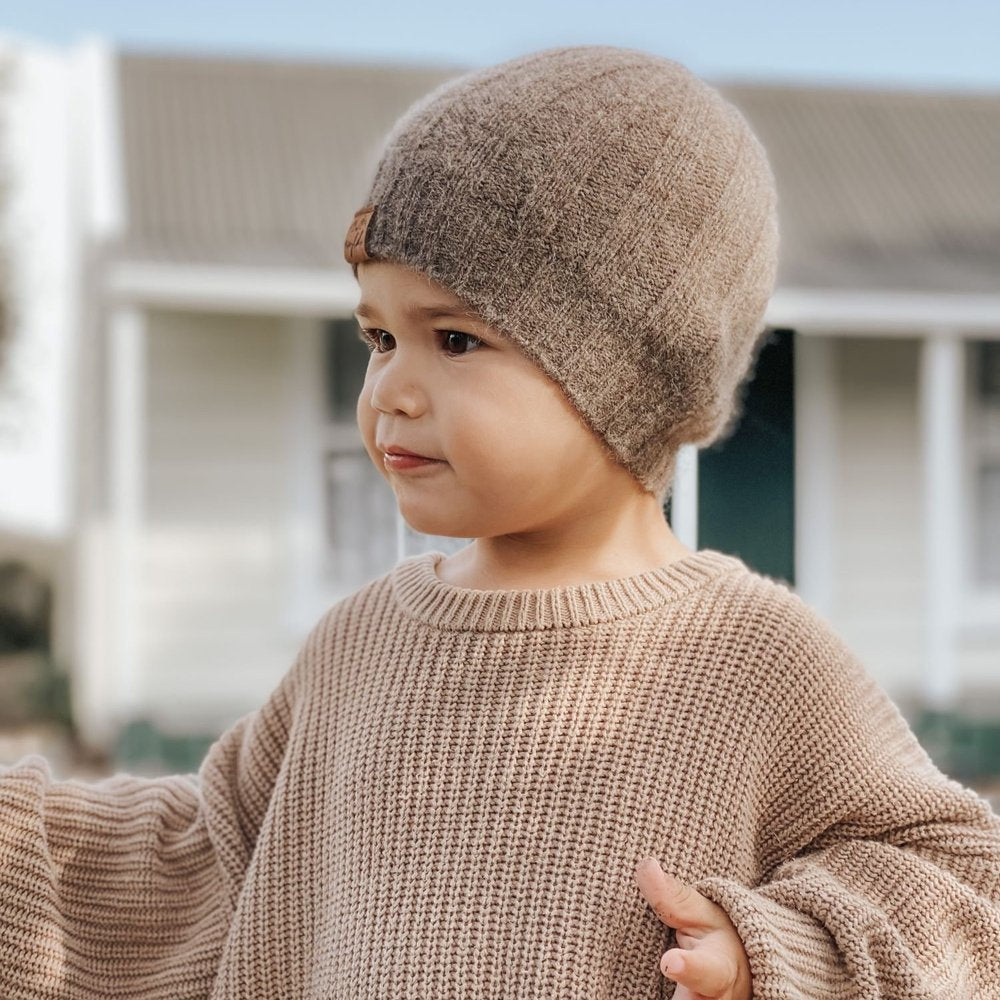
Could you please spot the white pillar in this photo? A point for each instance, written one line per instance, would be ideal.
(942, 393)
(99, 214)
(815, 469)
(306, 542)
(127, 365)
(684, 497)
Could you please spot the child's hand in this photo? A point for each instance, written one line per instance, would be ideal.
(711, 963)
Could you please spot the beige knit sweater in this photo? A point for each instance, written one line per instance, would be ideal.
(447, 795)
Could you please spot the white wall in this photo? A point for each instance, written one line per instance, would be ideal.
(38, 240)
(214, 569)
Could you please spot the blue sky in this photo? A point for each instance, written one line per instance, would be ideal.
(915, 44)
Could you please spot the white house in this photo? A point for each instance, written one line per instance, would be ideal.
(183, 336)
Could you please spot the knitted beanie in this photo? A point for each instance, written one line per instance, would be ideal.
(608, 211)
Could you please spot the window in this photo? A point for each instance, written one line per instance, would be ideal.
(984, 444)
(364, 535)
(359, 510)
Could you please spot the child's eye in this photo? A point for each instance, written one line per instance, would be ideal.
(365, 336)
(372, 338)
(468, 338)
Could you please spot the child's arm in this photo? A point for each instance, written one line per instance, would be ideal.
(126, 886)
(882, 875)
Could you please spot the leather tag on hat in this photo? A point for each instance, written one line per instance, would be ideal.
(354, 245)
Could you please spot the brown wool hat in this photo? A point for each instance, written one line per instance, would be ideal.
(612, 214)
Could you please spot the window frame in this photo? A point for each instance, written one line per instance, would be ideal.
(979, 601)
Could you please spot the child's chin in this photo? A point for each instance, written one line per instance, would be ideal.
(431, 522)
(431, 527)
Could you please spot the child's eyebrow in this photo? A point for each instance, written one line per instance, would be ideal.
(432, 311)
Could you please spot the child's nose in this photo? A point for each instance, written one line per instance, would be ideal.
(398, 387)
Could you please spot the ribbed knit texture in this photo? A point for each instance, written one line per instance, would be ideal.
(448, 792)
(610, 212)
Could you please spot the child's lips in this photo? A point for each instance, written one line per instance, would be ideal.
(401, 462)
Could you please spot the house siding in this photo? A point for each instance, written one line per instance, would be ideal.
(214, 555)
(879, 555)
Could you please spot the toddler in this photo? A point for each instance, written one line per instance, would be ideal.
(575, 759)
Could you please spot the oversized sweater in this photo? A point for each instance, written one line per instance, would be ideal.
(447, 794)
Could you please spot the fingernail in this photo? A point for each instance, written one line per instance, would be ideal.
(673, 964)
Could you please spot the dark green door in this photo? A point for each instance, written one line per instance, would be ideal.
(746, 484)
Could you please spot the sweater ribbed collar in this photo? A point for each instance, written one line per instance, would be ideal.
(423, 595)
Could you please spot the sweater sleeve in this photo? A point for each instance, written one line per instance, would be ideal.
(880, 875)
(126, 886)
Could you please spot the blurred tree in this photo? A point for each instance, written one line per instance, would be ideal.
(25, 608)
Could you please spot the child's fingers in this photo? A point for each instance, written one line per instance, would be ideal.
(683, 993)
(676, 903)
(704, 971)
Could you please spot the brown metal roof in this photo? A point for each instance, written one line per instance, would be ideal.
(252, 161)
(882, 189)
(256, 161)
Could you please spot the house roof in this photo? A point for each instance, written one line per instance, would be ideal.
(252, 161)
(882, 189)
(248, 161)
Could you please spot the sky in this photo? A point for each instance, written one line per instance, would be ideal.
(911, 44)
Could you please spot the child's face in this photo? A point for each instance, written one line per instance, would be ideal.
(512, 453)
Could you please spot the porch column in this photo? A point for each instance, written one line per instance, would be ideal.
(815, 474)
(942, 393)
(684, 497)
(126, 381)
(305, 474)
